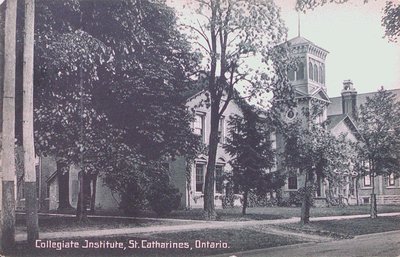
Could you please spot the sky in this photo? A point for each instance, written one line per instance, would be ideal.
(353, 35)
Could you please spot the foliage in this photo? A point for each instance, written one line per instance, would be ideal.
(109, 78)
(379, 126)
(310, 149)
(164, 198)
(229, 34)
(316, 151)
(390, 19)
(252, 156)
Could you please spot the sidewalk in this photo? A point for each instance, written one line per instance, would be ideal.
(196, 225)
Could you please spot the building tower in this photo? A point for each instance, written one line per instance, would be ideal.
(308, 82)
(308, 79)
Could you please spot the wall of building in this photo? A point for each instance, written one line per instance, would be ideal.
(190, 197)
(385, 193)
(178, 176)
(105, 200)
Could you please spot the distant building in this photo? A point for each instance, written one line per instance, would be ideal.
(309, 85)
(387, 188)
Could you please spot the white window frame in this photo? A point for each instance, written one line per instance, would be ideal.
(201, 116)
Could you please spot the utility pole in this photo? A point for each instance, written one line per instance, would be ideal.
(32, 223)
(8, 136)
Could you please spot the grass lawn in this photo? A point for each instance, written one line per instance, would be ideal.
(265, 213)
(349, 227)
(56, 223)
(234, 240)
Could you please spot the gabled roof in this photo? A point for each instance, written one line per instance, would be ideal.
(321, 94)
(334, 120)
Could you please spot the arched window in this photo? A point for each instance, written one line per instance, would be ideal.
(291, 75)
(315, 72)
(321, 75)
(310, 70)
(300, 71)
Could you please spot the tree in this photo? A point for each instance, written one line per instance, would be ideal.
(232, 33)
(313, 151)
(28, 143)
(8, 134)
(115, 70)
(252, 155)
(389, 20)
(379, 126)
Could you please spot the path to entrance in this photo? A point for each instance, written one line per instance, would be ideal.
(195, 225)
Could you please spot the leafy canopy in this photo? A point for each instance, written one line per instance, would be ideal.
(379, 125)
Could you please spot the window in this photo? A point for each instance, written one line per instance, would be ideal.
(291, 75)
(367, 180)
(219, 170)
(315, 73)
(199, 126)
(321, 75)
(300, 71)
(199, 177)
(221, 130)
(391, 180)
(290, 114)
(292, 182)
(310, 70)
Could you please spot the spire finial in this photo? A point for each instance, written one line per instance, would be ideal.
(298, 23)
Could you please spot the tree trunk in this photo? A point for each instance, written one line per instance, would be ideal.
(356, 188)
(8, 136)
(81, 212)
(305, 206)
(27, 129)
(209, 207)
(374, 209)
(81, 206)
(245, 201)
(63, 186)
(2, 21)
(93, 196)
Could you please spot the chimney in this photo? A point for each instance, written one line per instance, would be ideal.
(349, 99)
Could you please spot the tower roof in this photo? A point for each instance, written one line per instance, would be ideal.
(302, 44)
(299, 40)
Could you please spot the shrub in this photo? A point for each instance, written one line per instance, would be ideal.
(164, 199)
